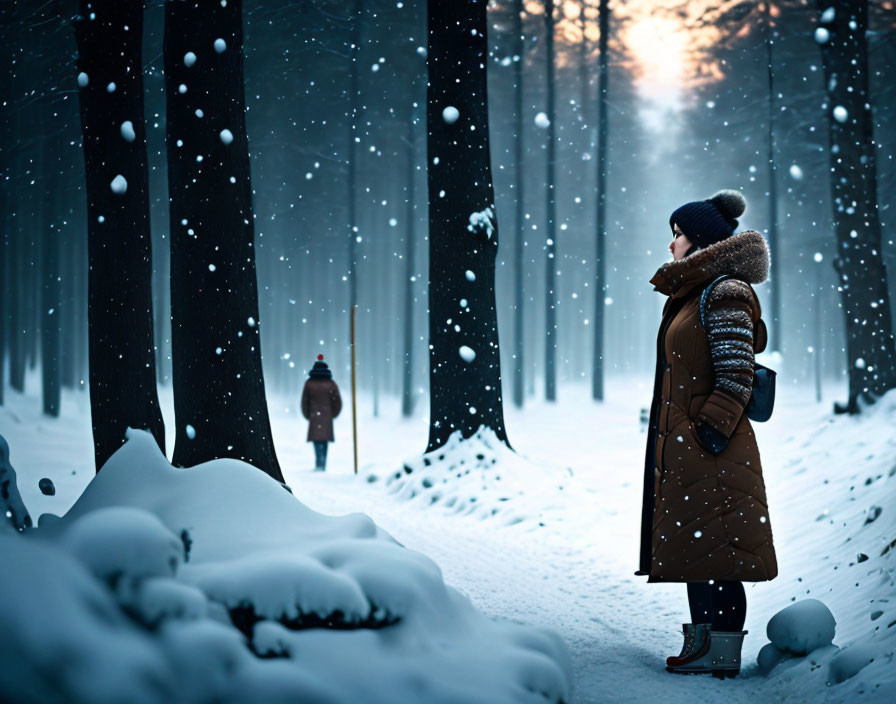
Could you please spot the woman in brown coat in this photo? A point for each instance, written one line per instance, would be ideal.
(705, 516)
(321, 403)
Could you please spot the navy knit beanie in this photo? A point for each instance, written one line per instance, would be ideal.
(705, 222)
(320, 370)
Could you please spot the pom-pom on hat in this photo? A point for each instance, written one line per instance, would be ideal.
(705, 222)
(320, 370)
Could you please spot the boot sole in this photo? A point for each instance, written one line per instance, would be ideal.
(722, 674)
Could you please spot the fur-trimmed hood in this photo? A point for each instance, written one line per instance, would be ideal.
(743, 256)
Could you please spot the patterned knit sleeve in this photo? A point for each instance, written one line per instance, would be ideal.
(729, 329)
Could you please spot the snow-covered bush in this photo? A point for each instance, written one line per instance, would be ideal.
(65, 638)
(213, 584)
(120, 542)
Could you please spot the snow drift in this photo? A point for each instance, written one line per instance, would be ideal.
(214, 584)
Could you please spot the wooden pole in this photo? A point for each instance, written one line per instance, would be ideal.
(354, 391)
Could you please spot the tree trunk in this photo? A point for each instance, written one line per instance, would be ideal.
(16, 286)
(870, 350)
(5, 289)
(356, 120)
(550, 284)
(600, 283)
(51, 299)
(519, 302)
(465, 390)
(70, 262)
(219, 393)
(407, 378)
(122, 364)
(775, 278)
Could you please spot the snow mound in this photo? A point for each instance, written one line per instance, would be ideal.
(802, 627)
(122, 542)
(768, 657)
(480, 476)
(15, 515)
(293, 588)
(159, 599)
(849, 661)
(64, 637)
(260, 599)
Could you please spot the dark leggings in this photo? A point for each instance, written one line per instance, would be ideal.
(721, 603)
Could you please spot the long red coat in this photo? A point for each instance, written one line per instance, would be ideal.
(704, 516)
(321, 403)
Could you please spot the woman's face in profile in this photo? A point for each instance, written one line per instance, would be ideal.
(680, 244)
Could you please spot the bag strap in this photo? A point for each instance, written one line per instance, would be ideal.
(760, 335)
(704, 297)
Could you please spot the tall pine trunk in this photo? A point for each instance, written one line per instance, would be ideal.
(464, 359)
(121, 356)
(870, 350)
(775, 278)
(519, 302)
(15, 285)
(356, 122)
(5, 270)
(600, 283)
(407, 377)
(219, 393)
(51, 290)
(550, 208)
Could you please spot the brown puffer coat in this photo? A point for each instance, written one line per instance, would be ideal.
(321, 403)
(705, 516)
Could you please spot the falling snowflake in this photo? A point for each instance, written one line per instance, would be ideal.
(119, 185)
(481, 221)
(450, 115)
(466, 353)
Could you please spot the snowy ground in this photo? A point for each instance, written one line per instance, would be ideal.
(562, 554)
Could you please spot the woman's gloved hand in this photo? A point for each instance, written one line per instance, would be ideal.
(709, 438)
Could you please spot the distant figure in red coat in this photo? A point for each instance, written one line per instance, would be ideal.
(321, 403)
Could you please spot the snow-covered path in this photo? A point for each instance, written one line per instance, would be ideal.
(574, 573)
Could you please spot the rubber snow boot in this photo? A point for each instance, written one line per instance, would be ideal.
(696, 643)
(722, 658)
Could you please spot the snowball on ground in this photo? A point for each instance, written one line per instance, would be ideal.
(802, 627)
(320, 590)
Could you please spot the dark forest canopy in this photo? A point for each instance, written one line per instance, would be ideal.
(709, 130)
